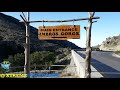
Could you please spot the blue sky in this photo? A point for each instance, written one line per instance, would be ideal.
(107, 26)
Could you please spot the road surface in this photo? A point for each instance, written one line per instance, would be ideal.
(107, 64)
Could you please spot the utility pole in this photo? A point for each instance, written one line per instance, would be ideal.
(88, 46)
(27, 46)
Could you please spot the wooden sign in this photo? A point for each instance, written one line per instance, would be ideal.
(62, 32)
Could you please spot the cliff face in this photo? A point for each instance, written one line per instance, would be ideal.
(12, 38)
(111, 43)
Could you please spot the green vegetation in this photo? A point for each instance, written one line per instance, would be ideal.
(16, 60)
(117, 52)
(1, 70)
(12, 39)
(12, 42)
(95, 48)
(1, 38)
(39, 58)
(42, 58)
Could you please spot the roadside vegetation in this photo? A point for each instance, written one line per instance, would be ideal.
(95, 48)
(117, 52)
(39, 58)
(36, 58)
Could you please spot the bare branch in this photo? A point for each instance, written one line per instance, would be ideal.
(23, 19)
(94, 21)
(28, 15)
(93, 14)
(24, 16)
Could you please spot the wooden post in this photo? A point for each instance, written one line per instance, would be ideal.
(27, 47)
(88, 40)
(88, 48)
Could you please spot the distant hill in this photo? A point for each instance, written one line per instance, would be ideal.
(111, 43)
(12, 38)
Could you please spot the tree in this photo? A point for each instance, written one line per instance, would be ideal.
(1, 38)
(19, 59)
(39, 58)
(16, 61)
(42, 58)
(10, 58)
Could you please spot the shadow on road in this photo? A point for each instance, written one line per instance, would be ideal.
(105, 70)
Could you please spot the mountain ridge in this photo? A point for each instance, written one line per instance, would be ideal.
(12, 37)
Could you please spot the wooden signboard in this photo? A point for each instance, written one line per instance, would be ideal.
(62, 32)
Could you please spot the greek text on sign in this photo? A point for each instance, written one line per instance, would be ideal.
(62, 32)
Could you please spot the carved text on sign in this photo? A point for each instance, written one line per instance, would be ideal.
(62, 32)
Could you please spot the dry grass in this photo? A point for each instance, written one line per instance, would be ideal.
(65, 74)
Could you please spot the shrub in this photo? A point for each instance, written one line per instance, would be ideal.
(39, 58)
(16, 60)
(117, 52)
(1, 70)
(42, 58)
(1, 38)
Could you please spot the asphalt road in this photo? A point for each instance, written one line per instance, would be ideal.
(107, 64)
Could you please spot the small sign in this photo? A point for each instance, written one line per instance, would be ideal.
(62, 32)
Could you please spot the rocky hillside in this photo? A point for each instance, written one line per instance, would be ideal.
(12, 38)
(111, 43)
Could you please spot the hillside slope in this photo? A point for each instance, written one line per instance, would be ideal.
(12, 38)
(111, 43)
